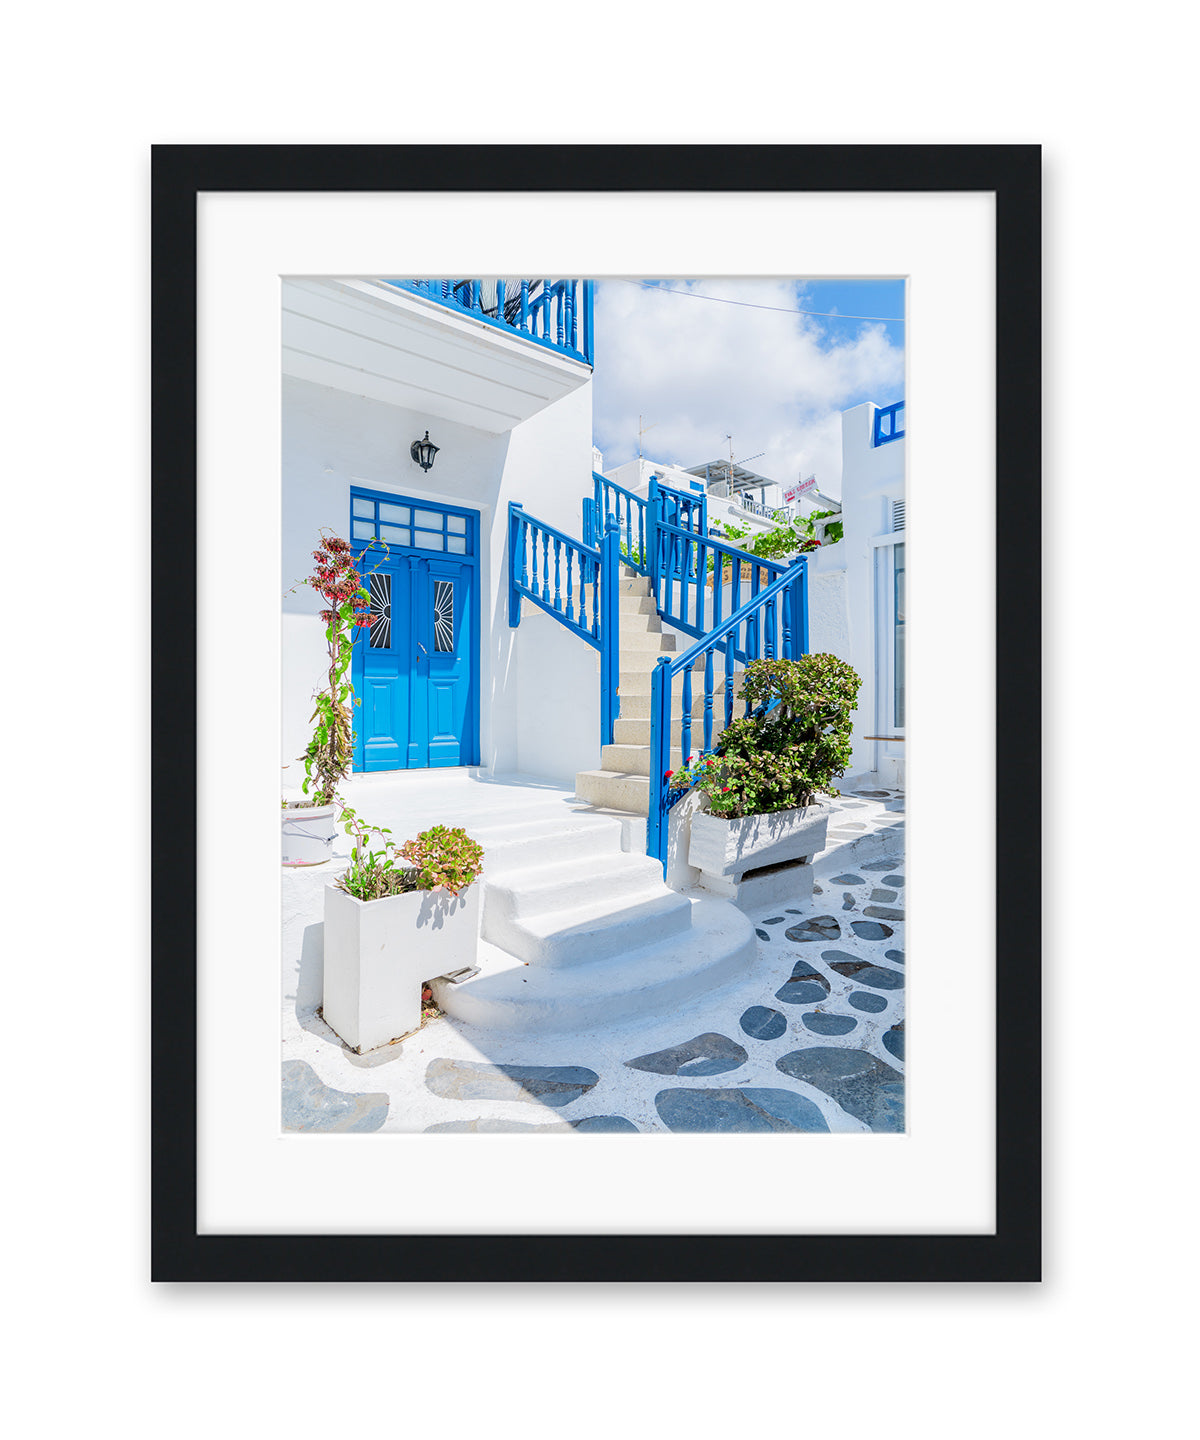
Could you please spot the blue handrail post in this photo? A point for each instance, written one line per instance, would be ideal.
(588, 301)
(589, 521)
(651, 558)
(514, 595)
(798, 607)
(660, 751)
(610, 657)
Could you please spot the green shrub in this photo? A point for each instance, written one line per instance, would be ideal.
(438, 859)
(780, 760)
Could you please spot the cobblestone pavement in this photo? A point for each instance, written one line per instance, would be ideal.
(811, 1040)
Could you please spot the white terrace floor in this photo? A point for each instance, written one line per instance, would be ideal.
(811, 1039)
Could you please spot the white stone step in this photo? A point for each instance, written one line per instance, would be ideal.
(635, 759)
(614, 789)
(634, 604)
(641, 647)
(718, 949)
(637, 682)
(598, 930)
(524, 895)
(530, 845)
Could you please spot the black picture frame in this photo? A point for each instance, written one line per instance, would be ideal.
(180, 173)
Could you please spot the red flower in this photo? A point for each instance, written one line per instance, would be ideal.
(668, 775)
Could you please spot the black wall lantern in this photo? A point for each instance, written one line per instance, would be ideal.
(423, 451)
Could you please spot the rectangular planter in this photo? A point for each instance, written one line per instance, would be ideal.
(728, 848)
(378, 953)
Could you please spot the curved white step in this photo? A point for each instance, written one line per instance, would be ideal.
(531, 844)
(716, 950)
(598, 930)
(523, 894)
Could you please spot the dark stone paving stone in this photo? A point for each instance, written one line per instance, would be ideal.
(863, 1086)
(554, 1085)
(821, 1024)
(864, 1000)
(852, 805)
(805, 986)
(874, 794)
(820, 927)
(763, 1023)
(602, 1123)
(762, 934)
(880, 865)
(777, 919)
(707, 1054)
(883, 912)
(882, 897)
(310, 1104)
(893, 1040)
(896, 955)
(725, 1111)
(847, 900)
(893, 879)
(795, 912)
(870, 929)
(847, 880)
(862, 972)
(853, 825)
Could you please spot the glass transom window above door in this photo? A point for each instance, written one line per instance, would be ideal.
(409, 526)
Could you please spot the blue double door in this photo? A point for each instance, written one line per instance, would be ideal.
(415, 668)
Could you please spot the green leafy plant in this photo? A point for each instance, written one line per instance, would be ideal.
(788, 536)
(779, 759)
(438, 859)
(833, 531)
(632, 553)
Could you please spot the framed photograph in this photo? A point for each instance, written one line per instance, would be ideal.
(636, 642)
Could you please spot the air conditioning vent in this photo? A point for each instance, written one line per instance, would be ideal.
(897, 515)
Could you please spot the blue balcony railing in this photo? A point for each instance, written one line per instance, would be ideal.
(556, 314)
(889, 424)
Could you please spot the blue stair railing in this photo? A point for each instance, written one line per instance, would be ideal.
(575, 582)
(772, 623)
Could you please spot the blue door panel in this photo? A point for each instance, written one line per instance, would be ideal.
(415, 670)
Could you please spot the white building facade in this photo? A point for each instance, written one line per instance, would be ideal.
(369, 368)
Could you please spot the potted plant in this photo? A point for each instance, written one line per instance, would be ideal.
(309, 824)
(761, 791)
(398, 917)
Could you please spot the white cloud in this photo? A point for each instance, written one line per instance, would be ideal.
(696, 370)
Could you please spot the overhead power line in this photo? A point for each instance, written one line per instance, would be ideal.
(749, 305)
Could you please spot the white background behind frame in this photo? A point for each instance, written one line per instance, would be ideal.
(936, 1178)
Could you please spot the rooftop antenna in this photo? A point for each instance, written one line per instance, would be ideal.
(642, 429)
(742, 461)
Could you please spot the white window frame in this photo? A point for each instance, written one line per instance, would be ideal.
(883, 612)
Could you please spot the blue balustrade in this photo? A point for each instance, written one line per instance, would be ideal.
(889, 424)
(576, 583)
(772, 623)
(557, 314)
(629, 511)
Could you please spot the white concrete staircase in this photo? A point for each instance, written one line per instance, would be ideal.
(578, 933)
(623, 780)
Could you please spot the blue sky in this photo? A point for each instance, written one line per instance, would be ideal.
(697, 368)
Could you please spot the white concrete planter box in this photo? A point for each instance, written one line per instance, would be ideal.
(724, 850)
(378, 953)
(308, 834)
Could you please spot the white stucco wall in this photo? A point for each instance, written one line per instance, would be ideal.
(872, 477)
(828, 615)
(333, 440)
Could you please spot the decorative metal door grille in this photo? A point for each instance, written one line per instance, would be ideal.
(380, 585)
(443, 615)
